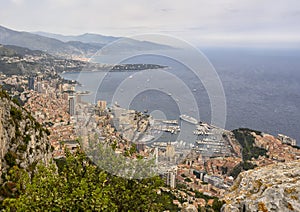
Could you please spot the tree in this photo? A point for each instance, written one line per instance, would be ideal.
(79, 185)
(217, 204)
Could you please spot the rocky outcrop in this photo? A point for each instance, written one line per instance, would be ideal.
(23, 141)
(271, 188)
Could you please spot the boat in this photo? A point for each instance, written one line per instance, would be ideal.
(188, 119)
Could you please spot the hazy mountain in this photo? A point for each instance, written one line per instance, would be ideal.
(96, 40)
(85, 38)
(84, 45)
(36, 42)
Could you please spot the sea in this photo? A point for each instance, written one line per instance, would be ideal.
(260, 88)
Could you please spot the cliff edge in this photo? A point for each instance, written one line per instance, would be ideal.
(23, 141)
(271, 188)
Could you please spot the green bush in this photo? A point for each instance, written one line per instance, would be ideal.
(187, 180)
(3, 94)
(22, 147)
(10, 158)
(16, 101)
(26, 139)
(243, 166)
(81, 186)
(16, 114)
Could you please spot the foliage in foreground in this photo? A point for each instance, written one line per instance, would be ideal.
(78, 185)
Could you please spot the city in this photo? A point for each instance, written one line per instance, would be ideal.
(194, 175)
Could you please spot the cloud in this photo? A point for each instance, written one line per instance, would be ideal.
(17, 2)
(189, 19)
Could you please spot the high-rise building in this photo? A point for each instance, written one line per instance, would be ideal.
(101, 104)
(171, 177)
(39, 87)
(72, 105)
(31, 83)
(170, 151)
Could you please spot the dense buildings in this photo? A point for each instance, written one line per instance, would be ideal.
(207, 168)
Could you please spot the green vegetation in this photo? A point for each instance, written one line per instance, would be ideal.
(187, 180)
(10, 158)
(217, 204)
(244, 137)
(15, 113)
(243, 166)
(249, 151)
(203, 196)
(133, 149)
(16, 101)
(27, 139)
(3, 93)
(78, 185)
(181, 186)
(22, 148)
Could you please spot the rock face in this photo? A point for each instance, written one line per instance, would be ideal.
(272, 188)
(23, 142)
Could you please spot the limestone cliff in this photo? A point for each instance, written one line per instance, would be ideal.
(23, 142)
(271, 188)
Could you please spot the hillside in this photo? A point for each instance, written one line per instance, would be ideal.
(36, 42)
(271, 188)
(260, 149)
(15, 60)
(84, 46)
(23, 141)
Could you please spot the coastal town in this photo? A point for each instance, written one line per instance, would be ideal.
(195, 175)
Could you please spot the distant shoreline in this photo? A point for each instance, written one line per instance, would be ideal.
(117, 68)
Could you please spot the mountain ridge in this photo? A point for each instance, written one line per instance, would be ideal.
(83, 46)
(84, 38)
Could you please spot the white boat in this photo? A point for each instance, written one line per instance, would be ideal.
(188, 119)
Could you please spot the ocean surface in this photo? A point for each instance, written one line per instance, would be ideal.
(261, 87)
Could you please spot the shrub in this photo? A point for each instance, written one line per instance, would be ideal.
(15, 113)
(27, 139)
(10, 158)
(3, 94)
(22, 147)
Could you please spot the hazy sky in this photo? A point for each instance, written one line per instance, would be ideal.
(197, 21)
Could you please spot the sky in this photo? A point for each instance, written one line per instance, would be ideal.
(231, 22)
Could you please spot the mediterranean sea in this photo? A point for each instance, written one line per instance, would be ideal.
(261, 86)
